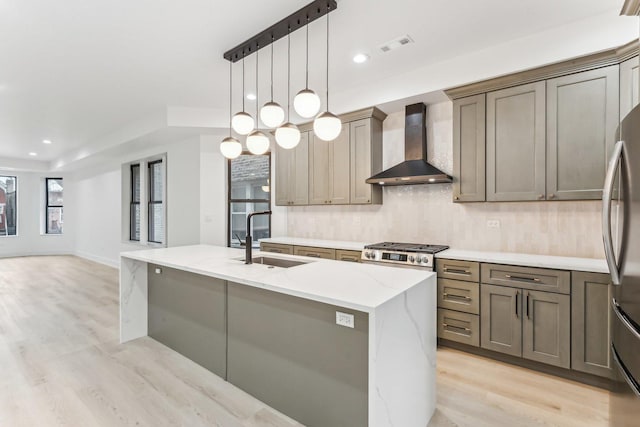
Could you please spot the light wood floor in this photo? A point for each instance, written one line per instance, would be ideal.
(61, 365)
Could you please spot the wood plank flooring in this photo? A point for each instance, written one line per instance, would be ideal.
(61, 365)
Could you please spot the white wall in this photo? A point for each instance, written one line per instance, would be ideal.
(31, 239)
(426, 213)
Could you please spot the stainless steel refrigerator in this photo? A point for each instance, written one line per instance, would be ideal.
(621, 230)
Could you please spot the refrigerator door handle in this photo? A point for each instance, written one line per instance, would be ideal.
(607, 195)
(625, 372)
(624, 318)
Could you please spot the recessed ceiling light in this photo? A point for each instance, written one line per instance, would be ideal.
(33, 154)
(46, 141)
(360, 58)
(251, 96)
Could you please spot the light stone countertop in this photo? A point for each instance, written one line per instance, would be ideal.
(592, 265)
(317, 243)
(351, 285)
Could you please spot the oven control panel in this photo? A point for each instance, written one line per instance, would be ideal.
(395, 257)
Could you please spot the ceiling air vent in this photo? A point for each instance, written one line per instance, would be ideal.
(396, 43)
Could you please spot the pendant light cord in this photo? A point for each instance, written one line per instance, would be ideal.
(328, 11)
(243, 82)
(288, 73)
(307, 55)
(230, 93)
(271, 67)
(257, 99)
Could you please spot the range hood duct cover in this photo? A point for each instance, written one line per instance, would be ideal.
(415, 169)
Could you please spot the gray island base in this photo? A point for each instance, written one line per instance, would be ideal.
(327, 343)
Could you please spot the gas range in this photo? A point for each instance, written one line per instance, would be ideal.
(412, 255)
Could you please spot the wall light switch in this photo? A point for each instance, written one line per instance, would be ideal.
(493, 223)
(345, 319)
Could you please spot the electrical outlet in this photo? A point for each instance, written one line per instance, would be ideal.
(158, 270)
(493, 223)
(345, 319)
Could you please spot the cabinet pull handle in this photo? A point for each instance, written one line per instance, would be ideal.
(448, 326)
(444, 294)
(457, 271)
(540, 196)
(349, 258)
(311, 254)
(522, 279)
(528, 305)
(277, 251)
(517, 293)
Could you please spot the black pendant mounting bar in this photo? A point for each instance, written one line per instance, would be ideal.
(309, 13)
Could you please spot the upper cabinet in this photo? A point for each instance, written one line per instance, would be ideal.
(292, 179)
(317, 172)
(515, 143)
(547, 133)
(629, 90)
(469, 149)
(582, 117)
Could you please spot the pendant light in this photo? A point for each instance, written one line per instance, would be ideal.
(242, 122)
(288, 135)
(307, 102)
(257, 141)
(272, 114)
(230, 147)
(327, 126)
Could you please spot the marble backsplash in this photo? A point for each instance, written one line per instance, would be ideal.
(426, 213)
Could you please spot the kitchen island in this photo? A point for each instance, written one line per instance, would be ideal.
(325, 342)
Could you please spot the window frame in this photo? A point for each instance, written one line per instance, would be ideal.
(47, 206)
(133, 202)
(151, 201)
(231, 200)
(15, 179)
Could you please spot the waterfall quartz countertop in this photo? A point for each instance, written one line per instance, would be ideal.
(362, 287)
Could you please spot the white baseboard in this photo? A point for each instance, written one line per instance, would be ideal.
(99, 259)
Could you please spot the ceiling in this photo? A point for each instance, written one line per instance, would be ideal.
(78, 72)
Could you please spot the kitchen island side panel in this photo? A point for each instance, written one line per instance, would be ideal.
(402, 379)
(133, 299)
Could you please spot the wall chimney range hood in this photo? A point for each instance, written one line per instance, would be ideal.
(415, 169)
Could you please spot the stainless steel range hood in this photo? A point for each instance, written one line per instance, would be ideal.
(415, 169)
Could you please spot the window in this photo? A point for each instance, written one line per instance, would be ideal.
(249, 192)
(156, 208)
(54, 212)
(134, 203)
(8, 205)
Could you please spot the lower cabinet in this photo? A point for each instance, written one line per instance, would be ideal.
(187, 313)
(325, 253)
(289, 353)
(350, 256)
(591, 324)
(534, 325)
(459, 327)
(276, 248)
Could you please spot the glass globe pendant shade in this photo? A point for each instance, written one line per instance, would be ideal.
(288, 136)
(272, 114)
(327, 126)
(242, 123)
(306, 103)
(257, 142)
(230, 147)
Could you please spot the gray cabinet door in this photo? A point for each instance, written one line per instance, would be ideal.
(318, 171)
(582, 116)
(546, 335)
(284, 165)
(366, 159)
(469, 145)
(516, 143)
(591, 323)
(500, 319)
(289, 353)
(187, 312)
(629, 82)
(299, 172)
(339, 167)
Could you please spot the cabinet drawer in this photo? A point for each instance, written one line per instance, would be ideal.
(460, 327)
(344, 255)
(314, 252)
(459, 295)
(276, 248)
(458, 270)
(527, 278)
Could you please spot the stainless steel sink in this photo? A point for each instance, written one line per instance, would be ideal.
(276, 262)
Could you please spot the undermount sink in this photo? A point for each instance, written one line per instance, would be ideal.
(276, 262)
